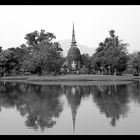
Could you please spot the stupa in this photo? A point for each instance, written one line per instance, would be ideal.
(73, 59)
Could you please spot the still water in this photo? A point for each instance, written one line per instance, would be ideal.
(70, 108)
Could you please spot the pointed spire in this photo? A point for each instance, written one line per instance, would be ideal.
(74, 101)
(73, 119)
(73, 43)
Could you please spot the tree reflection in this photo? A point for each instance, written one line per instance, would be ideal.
(112, 100)
(134, 91)
(40, 104)
(9, 94)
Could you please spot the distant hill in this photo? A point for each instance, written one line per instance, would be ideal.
(65, 45)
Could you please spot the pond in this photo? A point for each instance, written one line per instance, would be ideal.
(70, 108)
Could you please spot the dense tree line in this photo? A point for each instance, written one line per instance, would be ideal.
(112, 57)
(41, 54)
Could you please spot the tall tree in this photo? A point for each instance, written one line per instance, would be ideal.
(34, 38)
(19, 55)
(45, 53)
(135, 61)
(111, 53)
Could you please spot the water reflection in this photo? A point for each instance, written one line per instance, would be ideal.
(112, 100)
(73, 96)
(41, 104)
(134, 91)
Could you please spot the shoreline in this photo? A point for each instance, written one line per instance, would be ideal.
(65, 78)
(80, 83)
(73, 80)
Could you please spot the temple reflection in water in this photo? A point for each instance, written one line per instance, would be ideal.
(42, 107)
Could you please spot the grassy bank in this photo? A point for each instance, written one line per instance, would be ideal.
(35, 78)
(15, 77)
(78, 83)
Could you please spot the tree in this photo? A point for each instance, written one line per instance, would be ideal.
(19, 55)
(7, 61)
(1, 49)
(86, 61)
(45, 53)
(111, 53)
(135, 61)
(34, 38)
(41, 53)
(11, 59)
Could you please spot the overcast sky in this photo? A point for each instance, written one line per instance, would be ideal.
(92, 23)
